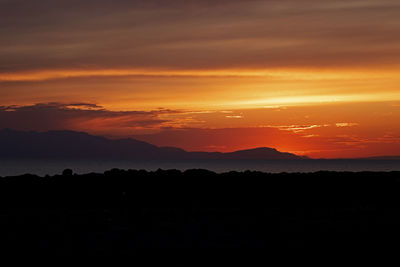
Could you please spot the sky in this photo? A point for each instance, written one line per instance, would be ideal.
(311, 77)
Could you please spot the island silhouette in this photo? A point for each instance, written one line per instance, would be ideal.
(80, 145)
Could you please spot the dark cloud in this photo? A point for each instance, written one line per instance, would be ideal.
(78, 116)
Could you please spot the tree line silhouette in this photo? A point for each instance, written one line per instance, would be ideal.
(122, 210)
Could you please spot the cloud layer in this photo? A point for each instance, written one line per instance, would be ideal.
(197, 34)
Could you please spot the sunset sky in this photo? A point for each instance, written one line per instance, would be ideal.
(311, 77)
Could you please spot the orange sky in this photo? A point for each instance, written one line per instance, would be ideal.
(319, 78)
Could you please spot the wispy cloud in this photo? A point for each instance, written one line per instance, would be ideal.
(310, 135)
(346, 124)
(297, 128)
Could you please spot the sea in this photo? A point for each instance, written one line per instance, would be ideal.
(52, 167)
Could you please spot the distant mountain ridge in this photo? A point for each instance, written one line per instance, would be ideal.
(79, 145)
(382, 158)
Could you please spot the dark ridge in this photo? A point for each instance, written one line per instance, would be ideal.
(121, 211)
(383, 158)
(78, 145)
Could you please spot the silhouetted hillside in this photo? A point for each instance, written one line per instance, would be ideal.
(120, 211)
(70, 144)
(261, 153)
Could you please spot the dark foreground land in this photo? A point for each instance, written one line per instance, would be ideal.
(121, 211)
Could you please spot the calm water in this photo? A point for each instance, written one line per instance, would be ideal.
(41, 167)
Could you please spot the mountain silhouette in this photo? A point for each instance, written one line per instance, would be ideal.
(382, 158)
(71, 144)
